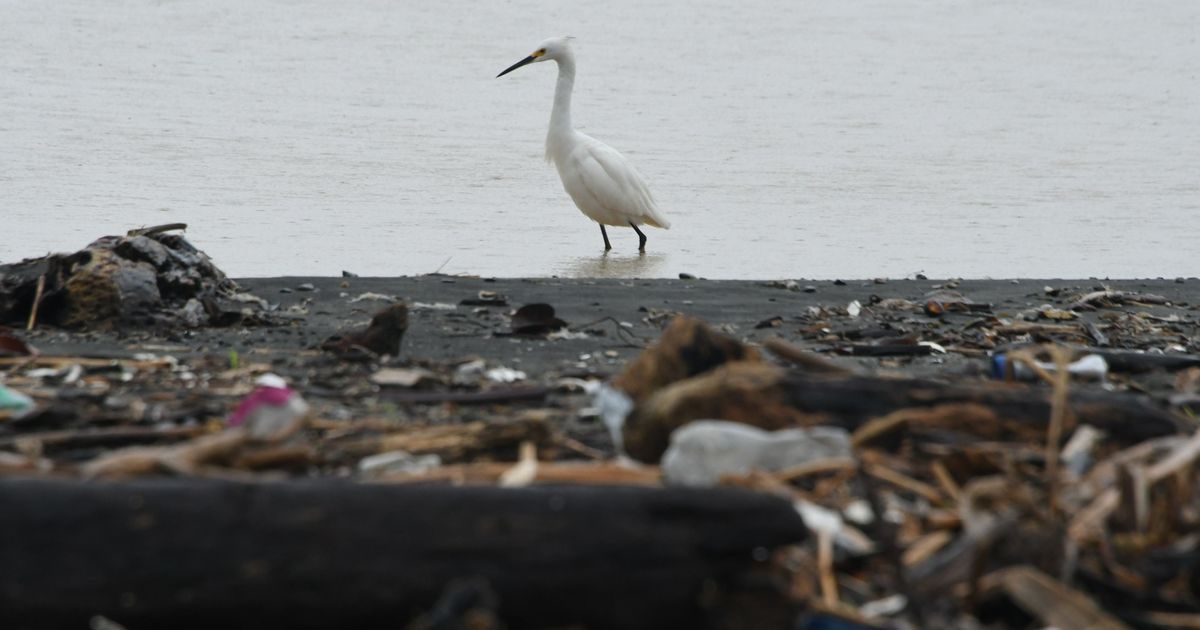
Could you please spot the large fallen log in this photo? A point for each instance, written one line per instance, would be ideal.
(772, 398)
(207, 554)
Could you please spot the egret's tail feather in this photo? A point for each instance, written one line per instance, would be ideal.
(658, 222)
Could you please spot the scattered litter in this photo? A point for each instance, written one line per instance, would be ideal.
(1091, 366)
(925, 494)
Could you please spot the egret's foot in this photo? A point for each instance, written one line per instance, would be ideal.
(607, 245)
(641, 237)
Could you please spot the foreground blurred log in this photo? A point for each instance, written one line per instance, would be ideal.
(204, 554)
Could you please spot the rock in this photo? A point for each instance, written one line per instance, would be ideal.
(147, 277)
(381, 337)
(687, 347)
(704, 451)
(686, 276)
(306, 286)
(536, 320)
(751, 392)
(193, 314)
(144, 249)
(106, 290)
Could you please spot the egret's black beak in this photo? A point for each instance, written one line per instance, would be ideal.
(524, 62)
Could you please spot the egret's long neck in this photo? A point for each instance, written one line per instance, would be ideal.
(560, 117)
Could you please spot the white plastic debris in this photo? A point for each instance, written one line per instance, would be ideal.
(1089, 367)
(614, 407)
(504, 375)
(703, 451)
(936, 347)
(435, 306)
(398, 462)
(272, 411)
(885, 607)
(370, 295)
(15, 403)
(563, 333)
(402, 377)
(524, 472)
(471, 368)
(1076, 455)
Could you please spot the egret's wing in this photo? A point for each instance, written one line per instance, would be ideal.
(613, 181)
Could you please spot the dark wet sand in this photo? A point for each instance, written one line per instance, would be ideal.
(440, 329)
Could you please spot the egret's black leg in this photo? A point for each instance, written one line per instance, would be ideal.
(607, 245)
(641, 237)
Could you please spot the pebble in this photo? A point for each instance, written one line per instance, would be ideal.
(686, 276)
(307, 286)
(808, 288)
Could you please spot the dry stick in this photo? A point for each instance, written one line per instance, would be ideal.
(919, 488)
(815, 467)
(37, 300)
(581, 448)
(1184, 453)
(1029, 359)
(946, 480)
(166, 227)
(1058, 414)
(829, 588)
(630, 339)
(802, 358)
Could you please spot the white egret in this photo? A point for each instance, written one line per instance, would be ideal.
(598, 178)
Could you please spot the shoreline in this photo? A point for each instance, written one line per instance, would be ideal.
(441, 328)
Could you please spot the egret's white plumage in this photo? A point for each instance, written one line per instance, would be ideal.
(601, 181)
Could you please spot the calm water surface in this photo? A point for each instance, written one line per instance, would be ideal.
(784, 139)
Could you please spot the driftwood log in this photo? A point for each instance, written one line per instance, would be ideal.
(209, 554)
(772, 398)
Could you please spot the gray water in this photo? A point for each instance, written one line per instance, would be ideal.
(783, 139)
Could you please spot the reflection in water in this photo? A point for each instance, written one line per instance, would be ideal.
(609, 265)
